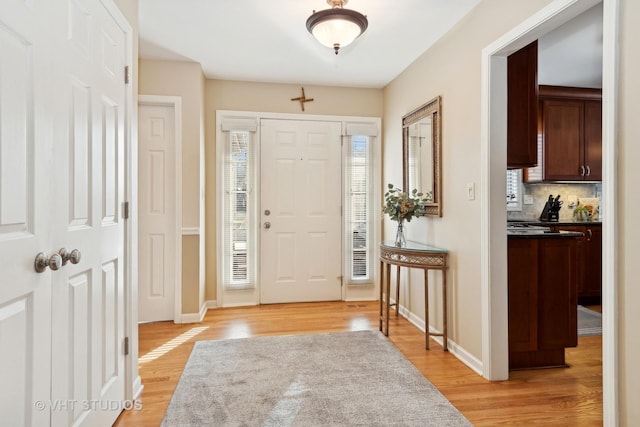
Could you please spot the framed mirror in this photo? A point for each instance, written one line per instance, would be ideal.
(421, 153)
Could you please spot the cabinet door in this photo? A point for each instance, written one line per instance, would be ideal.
(563, 125)
(581, 251)
(593, 262)
(557, 296)
(593, 140)
(523, 294)
(522, 107)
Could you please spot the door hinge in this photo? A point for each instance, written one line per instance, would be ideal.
(125, 210)
(126, 346)
(126, 74)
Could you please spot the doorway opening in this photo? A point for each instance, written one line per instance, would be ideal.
(494, 271)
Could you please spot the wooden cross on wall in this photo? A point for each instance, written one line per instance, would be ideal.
(302, 99)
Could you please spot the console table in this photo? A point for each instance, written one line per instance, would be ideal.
(413, 255)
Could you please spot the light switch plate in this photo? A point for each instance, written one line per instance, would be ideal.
(527, 199)
(471, 191)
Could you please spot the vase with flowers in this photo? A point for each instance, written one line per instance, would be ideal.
(402, 206)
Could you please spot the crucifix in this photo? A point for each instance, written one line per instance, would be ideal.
(302, 99)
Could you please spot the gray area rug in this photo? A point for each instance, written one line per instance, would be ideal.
(589, 322)
(333, 379)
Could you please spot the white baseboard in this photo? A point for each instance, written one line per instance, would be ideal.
(458, 351)
(194, 317)
(137, 388)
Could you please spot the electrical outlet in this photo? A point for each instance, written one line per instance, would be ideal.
(527, 199)
(471, 191)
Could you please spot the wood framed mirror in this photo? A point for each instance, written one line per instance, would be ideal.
(422, 154)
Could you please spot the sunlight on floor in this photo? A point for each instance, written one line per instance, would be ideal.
(359, 324)
(170, 345)
(238, 330)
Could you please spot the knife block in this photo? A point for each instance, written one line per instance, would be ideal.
(549, 214)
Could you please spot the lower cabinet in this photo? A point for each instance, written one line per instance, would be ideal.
(589, 262)
(542, 284)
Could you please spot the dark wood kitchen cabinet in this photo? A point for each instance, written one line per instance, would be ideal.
(522, 107)
(542, 286)
(570, 125)
(589, 250)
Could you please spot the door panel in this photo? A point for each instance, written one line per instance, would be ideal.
(25, 201)
(158, 241)
(301, 251)
(62, 135)
(88, 297)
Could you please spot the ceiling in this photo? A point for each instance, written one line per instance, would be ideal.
(267, 41)
(571, 55)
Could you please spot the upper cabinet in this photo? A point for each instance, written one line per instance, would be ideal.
(522, 107)
(570, 126)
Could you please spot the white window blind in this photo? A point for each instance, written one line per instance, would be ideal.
(514, 189)
(239, 247)
(358, 211)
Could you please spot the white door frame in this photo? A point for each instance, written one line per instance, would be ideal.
(244, 297)
(176, 103)
(493, 212)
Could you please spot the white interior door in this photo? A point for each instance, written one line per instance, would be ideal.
(158, 212)
(88, 296)
(301, 211)
(62, 141)
(26, 186)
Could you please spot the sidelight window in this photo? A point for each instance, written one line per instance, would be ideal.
(239, 244)
(359, 202)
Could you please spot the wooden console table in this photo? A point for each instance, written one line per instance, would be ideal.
(413, 255)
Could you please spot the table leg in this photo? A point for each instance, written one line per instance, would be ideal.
(444, 309)
(426, 307)
(388, 301)
(397, 290)
(381, 294)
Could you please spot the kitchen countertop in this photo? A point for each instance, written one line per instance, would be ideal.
(539, 234)
(550, 224)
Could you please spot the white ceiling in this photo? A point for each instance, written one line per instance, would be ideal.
(267, 40)
(571, 55)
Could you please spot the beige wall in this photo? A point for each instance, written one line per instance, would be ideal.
(628, 233)
(185, 79)
(269, 98)
(452, 70)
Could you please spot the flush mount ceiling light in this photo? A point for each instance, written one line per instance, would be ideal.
(337, 27)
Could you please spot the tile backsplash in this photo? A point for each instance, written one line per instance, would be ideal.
(541, 192)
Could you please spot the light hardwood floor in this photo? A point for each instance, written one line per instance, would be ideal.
(549, 397)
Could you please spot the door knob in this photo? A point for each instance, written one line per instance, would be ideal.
(267, 225)
(42, 262)
(74, 256)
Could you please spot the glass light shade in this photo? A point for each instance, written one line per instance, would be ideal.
(336, 31)
(336, 27)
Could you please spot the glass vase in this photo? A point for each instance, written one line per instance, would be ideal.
(401, 241)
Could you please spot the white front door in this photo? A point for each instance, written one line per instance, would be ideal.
(301, 211)
(157, 212)
(63, 136)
